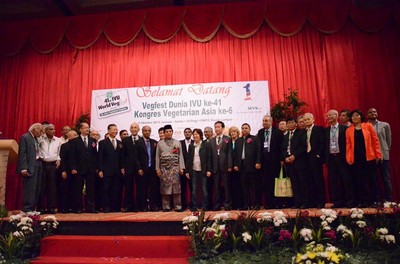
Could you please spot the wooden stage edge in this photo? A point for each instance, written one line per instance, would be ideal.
(157, 223)
(178, 216)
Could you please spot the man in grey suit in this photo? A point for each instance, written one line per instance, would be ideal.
(219, 146)
(385, 141)
(30, 167)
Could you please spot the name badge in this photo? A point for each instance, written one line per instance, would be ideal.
(333, 145)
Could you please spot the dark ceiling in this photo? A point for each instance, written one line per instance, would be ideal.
(26, 9)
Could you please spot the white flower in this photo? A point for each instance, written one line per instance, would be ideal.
(264, 217)
(389, 204)
(189, 219)
(18, 234)
(246, 237)
(390, 239)
(210, 229)
(279, 218)
(222, 227)
(361, 224)
(306, 234)
(16, 217)
(50, 218)
(356, 213)
(222, 216)
(185, 228)
(344, 231)
(382, 231)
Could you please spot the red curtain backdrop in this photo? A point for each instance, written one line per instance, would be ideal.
(350, 68)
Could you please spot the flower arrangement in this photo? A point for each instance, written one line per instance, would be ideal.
(21, 240)
(319, 253)
(319, 239)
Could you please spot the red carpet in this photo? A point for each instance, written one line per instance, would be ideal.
(114, 249)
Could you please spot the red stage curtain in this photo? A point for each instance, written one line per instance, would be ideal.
(286, 17)
(347, 69)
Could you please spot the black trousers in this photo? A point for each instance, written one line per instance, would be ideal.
(110, 189)
(48, 193)
(251, 187)
(340, 181)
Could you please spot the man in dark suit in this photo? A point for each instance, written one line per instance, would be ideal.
(30, 167)
(66, 187)
(83, 169)
(147, 170)
(185, 181)
(109, 157)
(130, 166)
(248, 164)
(220, 149)
(315, 160)
(340, 181)
(293, 156)
(271, 145)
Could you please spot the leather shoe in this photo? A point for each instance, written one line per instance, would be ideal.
(178, 210)
(166, 210)
(92, 211)
(79, 211)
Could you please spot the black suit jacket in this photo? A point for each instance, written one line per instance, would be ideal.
(205, 157)
(65, 155)
(82, 159)
(342, 142)
(224, 151)
(143, 156)
(110, 158)
(185, 152)
(298, 147)
(130, 154)
(275, 147)
(26, 154)
(317, 142)
(252, 153)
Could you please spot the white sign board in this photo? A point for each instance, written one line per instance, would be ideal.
(186, 105)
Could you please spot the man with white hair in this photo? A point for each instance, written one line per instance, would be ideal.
(340, 182)
(30, 167)
(315, 159)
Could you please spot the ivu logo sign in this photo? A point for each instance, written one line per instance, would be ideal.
(248, 92)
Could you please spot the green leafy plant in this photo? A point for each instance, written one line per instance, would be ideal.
(291, 106)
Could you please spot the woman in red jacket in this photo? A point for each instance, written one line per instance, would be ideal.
(362, 153)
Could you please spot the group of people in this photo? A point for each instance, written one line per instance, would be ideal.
(209, 169)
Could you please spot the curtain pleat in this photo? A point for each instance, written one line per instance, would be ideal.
(123, 27)
(243, 20)
(13, 36)
(287, 17)
(83, 31)
(46, 35)
(329, 16)
(201, 23)
(161, 24)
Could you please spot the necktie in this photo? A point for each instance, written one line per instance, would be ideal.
(85, 141)
(148, 150)
(218, 140)
(244, 146)
(308, 139)
(266, 139)
(113, 143)
(290, 138)
(134, 140)
(266, 135)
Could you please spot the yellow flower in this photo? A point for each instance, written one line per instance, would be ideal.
(299, 258)
(333, 257)
(311, 255)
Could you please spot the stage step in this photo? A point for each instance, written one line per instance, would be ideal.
(114, 249)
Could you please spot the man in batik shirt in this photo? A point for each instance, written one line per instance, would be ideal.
(169, 164)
